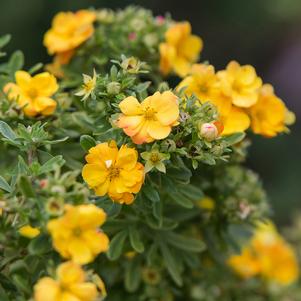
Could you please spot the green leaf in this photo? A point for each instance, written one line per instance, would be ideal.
(171, 264)
(191, 192)
(184, 243)
(4, 185)
(22, 283)
(39, 245)
(16, 62)
(132, 275)
(26, 187)
(234, 138)
(35, 68)
(151, 193)
(87, 142)
(116, 245)
(135, 240)
(4, 40)
(181, 200)
(7, 132)
(51, 164)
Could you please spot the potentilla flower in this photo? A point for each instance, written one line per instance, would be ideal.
(180, 49)
(269, 114)
(69, 30)
(33, 93)
(69, 285)
(114, 172)
(155, 159)
(150, 120)
(88, 87)
(76, 234)
(202, 82)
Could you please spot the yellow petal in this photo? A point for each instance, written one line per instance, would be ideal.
(90, 216)
(45, 105)
(127, 157)
(80, 253)
(45, 83)
(84, 291)
(97, 241)
(23, 79)
(236, 121)
(66, 296)
(158, 131)
(46, 289)
(101, 153)
(130, 106)
(94, 174)
(69, 273)
(29, 232)
(244, 100)
(103, 188)
(191, 47)
(130, 124)
(181, 66)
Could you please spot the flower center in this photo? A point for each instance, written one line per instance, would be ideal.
(77, 232)
(89, 86)
(114, 172)
(154, 158)
(32, 93)
(149, 114)
(203, 88)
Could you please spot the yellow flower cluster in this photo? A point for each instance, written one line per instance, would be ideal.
(70, 285)
(180, 49)
(150, 120)
(240, 97)
(114, 172)
(76, 234)
(33, 94)
(267, 255)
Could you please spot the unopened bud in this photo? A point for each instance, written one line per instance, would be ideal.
(113, 88)
(209, 131)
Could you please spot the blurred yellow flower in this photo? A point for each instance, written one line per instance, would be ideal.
(268, 256)
(269, 114)
(202, 82)
(114, 172)
(206, 203)
(33, 93)
(70, 285)
(179, 50)
(88, 86)
(76, 234)
(68, 31)
(150, 120)
(29, 231)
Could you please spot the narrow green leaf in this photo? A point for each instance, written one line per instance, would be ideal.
(135, 240)
(132, 275)
(87, 142)
(4, 185)
(39, 245)
(51, 164)
(184, 243)
(4, 40)
(116, 245)
(181, 200)
(26, 187)
(151, 193)
(235, 138)
(7, 132)
(16, 62)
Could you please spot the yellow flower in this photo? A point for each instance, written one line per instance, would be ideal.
(114, 172)
(267, 255)
(70, 285)
(28, 231)
(202, 82)
(206, 203)
(88, 86)
(68, 31)
(277, 258)
(33, 93)
(76, 235)
(245, 264)
(269, 114)
(150, 120)
(180, 49)
(240, 83)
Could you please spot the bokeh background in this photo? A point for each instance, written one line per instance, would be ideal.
(264, 33)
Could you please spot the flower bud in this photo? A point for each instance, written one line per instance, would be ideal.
(113, 88)
(209, 131)
(55, 206)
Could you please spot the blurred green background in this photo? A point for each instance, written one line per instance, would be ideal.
(266, 34)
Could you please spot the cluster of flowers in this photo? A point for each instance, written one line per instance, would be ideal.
(266, 255)
(241, 101)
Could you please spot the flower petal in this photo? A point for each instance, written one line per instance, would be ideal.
(80, 253)
(130, 106)
(45, 83)
(236, 121)
(158, 131)
(94, 174)
(45, 105)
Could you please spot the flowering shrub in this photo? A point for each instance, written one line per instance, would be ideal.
(117, 186)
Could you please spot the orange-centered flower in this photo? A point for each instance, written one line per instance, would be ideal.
(180, 49)
(150, 120)
(76, 234)
(69, 30)
(70, 285)
(33, 93)
(114, 172)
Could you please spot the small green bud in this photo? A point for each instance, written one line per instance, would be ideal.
(113, 88)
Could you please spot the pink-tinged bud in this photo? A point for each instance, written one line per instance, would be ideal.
(132, 36)
(160, 20)
(43, 183)
(209, 131)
